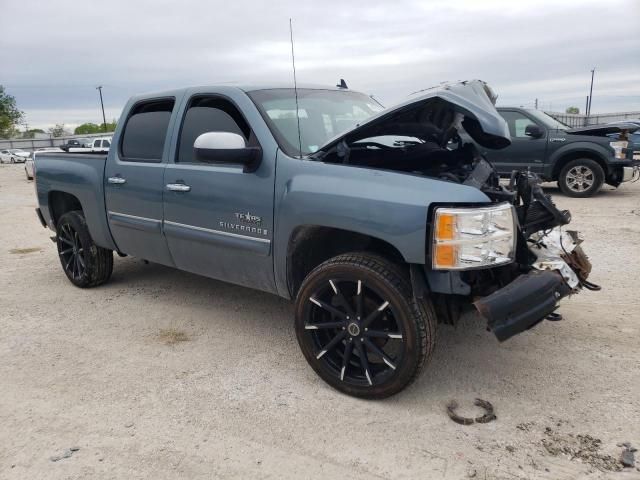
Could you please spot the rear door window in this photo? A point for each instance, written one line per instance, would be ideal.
(146, 130)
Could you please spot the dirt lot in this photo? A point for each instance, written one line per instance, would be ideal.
(163, 374)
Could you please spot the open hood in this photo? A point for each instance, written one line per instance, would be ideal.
(605, 129)
(473, 100)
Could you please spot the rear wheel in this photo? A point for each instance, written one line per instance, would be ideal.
(360, 328)
(582, 177)
(84, 263)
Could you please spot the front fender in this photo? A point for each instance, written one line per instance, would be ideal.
(389, 206)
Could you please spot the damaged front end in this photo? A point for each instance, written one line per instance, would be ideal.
(510, 258)
(551, 264)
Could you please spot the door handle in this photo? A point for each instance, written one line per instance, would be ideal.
(178, 187)
(116, 180)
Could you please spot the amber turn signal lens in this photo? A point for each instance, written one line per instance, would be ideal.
(445, 229)
(445, 256)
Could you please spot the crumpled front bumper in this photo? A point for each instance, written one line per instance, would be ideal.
(561, 268)
(523, 303)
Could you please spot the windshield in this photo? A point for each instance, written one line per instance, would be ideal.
(323, 114)
(547, 120)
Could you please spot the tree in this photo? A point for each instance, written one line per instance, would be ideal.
(87, 128)
(31, 133)
(574, 110)
(58, 130)
(10, 116)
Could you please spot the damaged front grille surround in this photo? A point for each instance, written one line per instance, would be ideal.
(558, 267)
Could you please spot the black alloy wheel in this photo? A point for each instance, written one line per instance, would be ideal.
(84, 263)
(71, 252)
(360, 328)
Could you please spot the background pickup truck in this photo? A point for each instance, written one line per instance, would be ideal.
(579, 159)
(368, 218)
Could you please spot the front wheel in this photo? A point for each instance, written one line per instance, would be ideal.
(13, 160)
(581, 178)
(84, 263)
(360, 328)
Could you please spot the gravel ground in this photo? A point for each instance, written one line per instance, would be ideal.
(163, 374)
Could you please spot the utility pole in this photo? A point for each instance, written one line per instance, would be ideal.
(591, 92)
(536, 103)
(586, 108)
(104, 119)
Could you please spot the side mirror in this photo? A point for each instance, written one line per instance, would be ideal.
(227, 148)
(534, 131)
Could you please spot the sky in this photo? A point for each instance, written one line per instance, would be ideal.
(54, 53)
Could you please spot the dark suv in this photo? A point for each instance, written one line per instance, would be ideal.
(76, 143)
(579, 159)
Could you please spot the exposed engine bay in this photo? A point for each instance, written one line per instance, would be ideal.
(433, 141)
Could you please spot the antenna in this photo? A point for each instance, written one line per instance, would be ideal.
(295, 86)
(375, 100)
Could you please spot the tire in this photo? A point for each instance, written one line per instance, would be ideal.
(13, 160)
(581, 178)
(84, 263)
(386, 345)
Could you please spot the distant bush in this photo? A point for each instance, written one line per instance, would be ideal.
(86, 128)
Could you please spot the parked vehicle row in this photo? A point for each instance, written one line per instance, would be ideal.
(94, 145)
(378, 223)
(87, 145)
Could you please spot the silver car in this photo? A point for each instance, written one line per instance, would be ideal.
(13, 156)
(19, 155)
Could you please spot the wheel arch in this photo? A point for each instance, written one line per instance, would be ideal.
(567, 157)
(310, 245)
(61, 202)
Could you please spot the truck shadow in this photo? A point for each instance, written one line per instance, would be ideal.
(468, 361)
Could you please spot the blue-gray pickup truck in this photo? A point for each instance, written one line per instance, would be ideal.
(378, 223)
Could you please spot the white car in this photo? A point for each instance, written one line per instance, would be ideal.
(29, 164)
(13, 156)
(101, 144)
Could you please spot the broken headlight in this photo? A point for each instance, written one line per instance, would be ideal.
(467, 238)
(619, 149)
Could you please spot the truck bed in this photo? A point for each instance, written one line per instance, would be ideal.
(78, 174)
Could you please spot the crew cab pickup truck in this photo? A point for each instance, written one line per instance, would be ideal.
(579, 159)
(378, 223)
